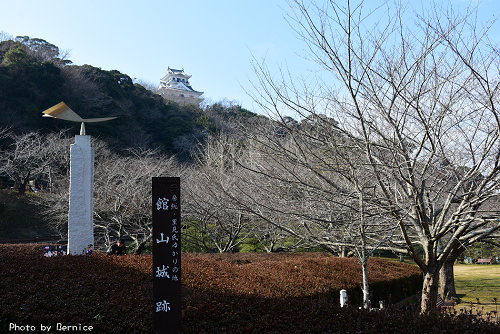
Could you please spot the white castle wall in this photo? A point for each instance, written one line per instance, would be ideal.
(181, 97)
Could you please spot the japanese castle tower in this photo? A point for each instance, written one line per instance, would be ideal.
(175, 86)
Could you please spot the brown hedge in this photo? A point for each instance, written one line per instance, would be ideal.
(228, 293)
(297, 275)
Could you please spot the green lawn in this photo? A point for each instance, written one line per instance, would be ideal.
(478, 284)
(475, 282)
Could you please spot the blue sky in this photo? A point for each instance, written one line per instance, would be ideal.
(213, 40)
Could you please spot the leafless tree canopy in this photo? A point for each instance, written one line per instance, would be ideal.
(32, 157)
(122, 202)
(415, 100)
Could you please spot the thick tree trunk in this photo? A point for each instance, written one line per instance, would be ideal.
(21, 188)
(447, 282)
(429, 291)
(141, 247)
(342, 251)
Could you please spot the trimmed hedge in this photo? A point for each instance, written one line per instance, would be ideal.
(299, 275)
(229, 293)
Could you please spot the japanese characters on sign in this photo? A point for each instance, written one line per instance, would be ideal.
(166, 255)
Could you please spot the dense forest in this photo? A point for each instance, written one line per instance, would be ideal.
(34, 76)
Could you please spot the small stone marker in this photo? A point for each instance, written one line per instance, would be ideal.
(343, 298)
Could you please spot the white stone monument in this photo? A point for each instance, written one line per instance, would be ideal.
(81, 187)
(81, 196)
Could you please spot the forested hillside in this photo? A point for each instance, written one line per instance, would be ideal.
(35, 76)
(150, 136)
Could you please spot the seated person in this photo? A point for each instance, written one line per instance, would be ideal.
(90, 249)
(118, 248)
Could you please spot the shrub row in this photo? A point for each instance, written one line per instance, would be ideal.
(230, 293)
(298, 275)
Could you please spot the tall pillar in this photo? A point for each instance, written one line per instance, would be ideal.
(81, 196)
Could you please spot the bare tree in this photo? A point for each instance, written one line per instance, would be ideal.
(271, 237)
(313, 186)
(5, 36)
(151, 86)
(122, 194)
(82, 88)
(122, 202)
(446, 274)
(31, 157)
(419, 102)
(215, 220)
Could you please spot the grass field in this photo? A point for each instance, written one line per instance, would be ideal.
(479, 285)
(476, 285)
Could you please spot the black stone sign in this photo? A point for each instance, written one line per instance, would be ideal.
(167, 313)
